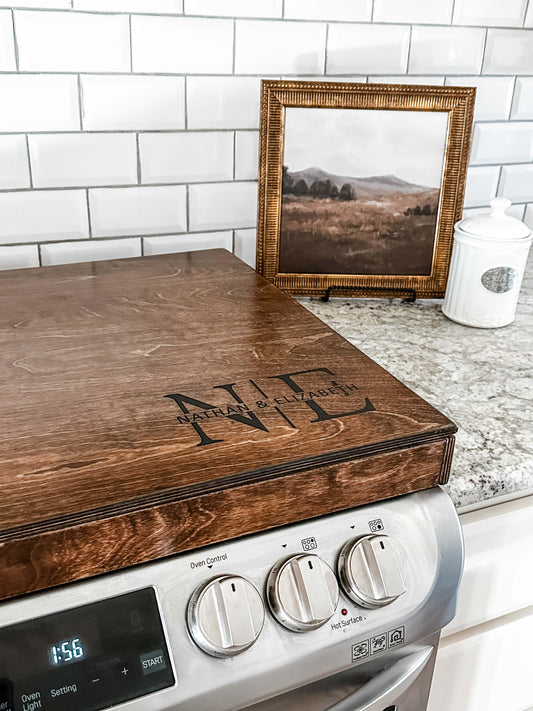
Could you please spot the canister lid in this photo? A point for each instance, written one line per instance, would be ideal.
(495, 224)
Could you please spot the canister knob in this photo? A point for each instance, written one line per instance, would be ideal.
(225, 615)
(302, 592)
(369, 571)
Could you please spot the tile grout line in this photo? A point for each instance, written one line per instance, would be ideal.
(187, 217)
(186, 103)
(326, 50)
(130, 37)
(15, 41)
(234, 49)
(30, 171)
(234, 154)
(79, 89)
(89, 221)
(452, 13)
(498, 182)
(138, 152)
(273, 18)
(408, 62)
(528, 3)
(512, 102)
(372, 8)
(484, 51)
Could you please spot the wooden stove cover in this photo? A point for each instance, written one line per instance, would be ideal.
(159, 404)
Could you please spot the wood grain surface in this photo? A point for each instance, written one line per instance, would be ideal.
(153, 405)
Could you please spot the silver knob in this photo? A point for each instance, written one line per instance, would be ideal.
(369, 571)
(302, 592)
(225, 615)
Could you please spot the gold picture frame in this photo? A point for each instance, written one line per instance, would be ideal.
(289, 255)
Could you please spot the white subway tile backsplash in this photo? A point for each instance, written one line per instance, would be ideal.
(404, 79)
(182, 45)
(170, 7)
(188, 242)
(345, 10)
(223, 205)
(7, 42)
(72, 42)
(39, 103)
(493, 95)
(43, 215)
(19, 257)
(516, 183)
(523, 99)
(137, 211)
(367, 49)
(55, 4)
(246, 155)
(235, 8)
(413, 11)
(502, 143)
(89, 251)
(529, 15)
(223, 102)
(509, 13)
(133, 102)
(509, 52)
(279, 47)
(70, 159)
(245, 246)
(481, 185)
(446, 50)
(186, 157)
(14, 167)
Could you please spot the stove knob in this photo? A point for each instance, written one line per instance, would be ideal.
(225, 615)
(302, 592)
(369, 571)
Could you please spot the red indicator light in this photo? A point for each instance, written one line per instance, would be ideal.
(344, 611)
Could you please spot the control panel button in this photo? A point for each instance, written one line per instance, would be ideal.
(369, 571)
(302, 592)
(225, 615)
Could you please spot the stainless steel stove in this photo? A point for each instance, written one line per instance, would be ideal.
(342, 612)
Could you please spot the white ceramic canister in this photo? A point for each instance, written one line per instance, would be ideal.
(488, 261)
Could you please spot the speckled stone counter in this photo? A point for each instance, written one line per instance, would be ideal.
(481, 378)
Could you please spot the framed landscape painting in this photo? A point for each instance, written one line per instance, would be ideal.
(360, 186)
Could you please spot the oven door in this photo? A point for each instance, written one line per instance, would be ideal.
(401, 683)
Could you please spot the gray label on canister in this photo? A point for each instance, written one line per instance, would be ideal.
(500, 279)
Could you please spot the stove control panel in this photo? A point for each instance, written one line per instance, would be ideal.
(226, 626)
(87, 658)
(302, 592)
(225, 615)
(369, 571)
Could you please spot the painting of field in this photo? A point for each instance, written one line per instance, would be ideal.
(388, 228)
(360, 191)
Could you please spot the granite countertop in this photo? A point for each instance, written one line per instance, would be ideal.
(480, 378)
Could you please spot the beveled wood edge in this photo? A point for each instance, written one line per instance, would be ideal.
(262, 474)
(78, 553)
(277, 94)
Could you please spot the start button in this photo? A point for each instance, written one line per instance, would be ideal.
(153, 662)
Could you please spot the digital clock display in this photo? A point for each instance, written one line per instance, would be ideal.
(64, 652)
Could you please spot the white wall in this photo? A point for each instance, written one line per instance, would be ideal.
(131, 126)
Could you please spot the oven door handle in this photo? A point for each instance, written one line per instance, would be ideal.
(385, 688)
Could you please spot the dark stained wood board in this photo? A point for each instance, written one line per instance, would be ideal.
(97, 472)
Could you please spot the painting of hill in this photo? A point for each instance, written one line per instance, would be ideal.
(338, 224)
(360, 191)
